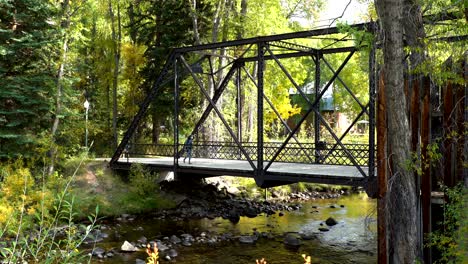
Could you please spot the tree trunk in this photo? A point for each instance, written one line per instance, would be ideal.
(212, 131)
(251, 110)
(58, 97)
(116, 38)
(156, 127)
(193, 13)
(401, 195)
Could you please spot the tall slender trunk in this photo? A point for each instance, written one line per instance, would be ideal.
(401, 196)
(212, 131)
(251, 110)
(193, 14)
(116, 39)
(59, 85)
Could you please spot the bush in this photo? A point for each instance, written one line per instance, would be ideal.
(450, 239)
(37, 221)
(142, 182)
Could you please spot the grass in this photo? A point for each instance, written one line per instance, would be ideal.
(41, 228)
(99, 186)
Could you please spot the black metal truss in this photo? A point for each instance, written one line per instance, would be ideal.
(286, 49)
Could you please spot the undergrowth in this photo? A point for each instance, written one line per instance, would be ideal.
(451, 239)
(115, 197)
(37, 222)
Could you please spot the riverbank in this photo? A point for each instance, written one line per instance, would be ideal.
(223, 212)
(138, 192)
(280, 237)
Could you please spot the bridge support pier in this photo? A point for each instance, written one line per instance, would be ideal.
(166, 176)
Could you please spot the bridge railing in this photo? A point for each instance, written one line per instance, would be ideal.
(293, 152)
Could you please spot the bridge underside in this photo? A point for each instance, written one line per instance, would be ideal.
(280, 173)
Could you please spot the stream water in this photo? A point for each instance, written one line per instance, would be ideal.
(352, 240)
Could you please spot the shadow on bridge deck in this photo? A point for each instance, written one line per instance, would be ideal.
(278, 174)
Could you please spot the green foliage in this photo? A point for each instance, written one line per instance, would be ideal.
(37, 222)
(142, 182)
(451, 238)
(26, 76)
(113, 195)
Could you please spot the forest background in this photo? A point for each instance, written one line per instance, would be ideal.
(55, 55)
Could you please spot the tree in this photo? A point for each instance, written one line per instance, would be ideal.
(401, 196)
(116, 44)
(26, 75)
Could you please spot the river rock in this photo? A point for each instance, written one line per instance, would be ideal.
(174, 239)
(247, 239)
(172, 253)
(161, 246)
(186, 243)
(142, 240)
(307, 236)
(331, 221)
(323, 229)
(233, 216)
(250, 212)
(140, 261)
(187, 237)
(280, 213)
(127, 247)
(292, 241)
(98, 251)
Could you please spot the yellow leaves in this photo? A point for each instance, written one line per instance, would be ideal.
(152, 254)
(307, 259)
(5, 213)
(133, 54)
(16, 182)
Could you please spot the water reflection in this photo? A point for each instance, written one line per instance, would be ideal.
(352, 240)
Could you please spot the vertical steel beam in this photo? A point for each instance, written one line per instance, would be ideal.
(176, 118)
(382, 257)
(239, 104)
(316, 114)
(261, 66)
(372, 85)
(426, 180)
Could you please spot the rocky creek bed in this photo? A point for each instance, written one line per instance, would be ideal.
(209, 222)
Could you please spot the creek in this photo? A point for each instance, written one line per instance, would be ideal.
(352, 240)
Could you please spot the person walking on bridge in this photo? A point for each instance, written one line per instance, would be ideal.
(188, 148)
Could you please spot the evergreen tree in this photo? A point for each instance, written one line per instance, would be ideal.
(26, 75)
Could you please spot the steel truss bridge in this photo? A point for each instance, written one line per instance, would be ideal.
(269, 163)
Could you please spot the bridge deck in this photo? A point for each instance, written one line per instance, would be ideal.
(279, 171)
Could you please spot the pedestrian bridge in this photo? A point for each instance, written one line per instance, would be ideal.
(329, 164)
(238, 108)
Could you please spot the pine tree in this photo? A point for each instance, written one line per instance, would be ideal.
(26, 76)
